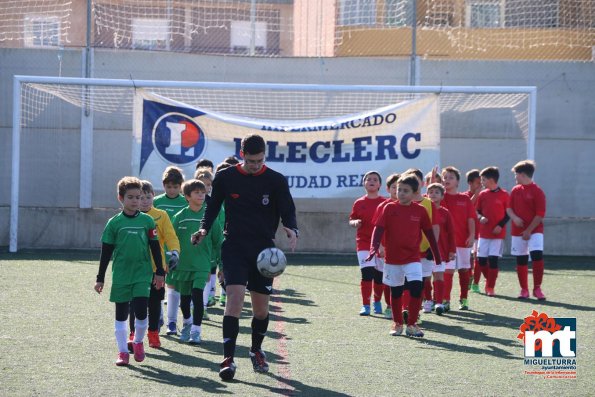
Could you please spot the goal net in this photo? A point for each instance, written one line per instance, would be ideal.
(74, 137)
(472, 29)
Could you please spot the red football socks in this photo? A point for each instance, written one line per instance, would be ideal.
(366, 288)
(537, 273)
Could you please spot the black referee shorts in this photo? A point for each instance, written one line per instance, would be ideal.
(239, 264)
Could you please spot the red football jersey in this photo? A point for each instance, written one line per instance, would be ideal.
(492, 205)
(364, 208)
(461, 209)
(468, 193)
(527, 201)
(446, 240)
(403, 225)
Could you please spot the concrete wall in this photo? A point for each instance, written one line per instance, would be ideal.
(49, 218)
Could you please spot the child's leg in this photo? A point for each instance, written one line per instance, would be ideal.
(378, 285)
(131, 319)
(415, 290)
(212, 282)
(522, 271)
(538, 266)
(154, 308)
(185, 308)
(448, 276)
(427, 281)
(205, 296)
(140, 306)
(198, 302)
(121, 331)
(483, 266)
(173, 302)
(493, 272)
(464, 283)
(395, 302)
(366, 284)
(438, 287)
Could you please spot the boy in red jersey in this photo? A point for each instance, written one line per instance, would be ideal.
(446, 242)
(474, 183)
(424, 248)
(360, 218)
(527, 210)
(402, 223)
(491, 208)
(464, 216)
(391, 187)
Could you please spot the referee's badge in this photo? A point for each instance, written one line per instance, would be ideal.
(265, 199)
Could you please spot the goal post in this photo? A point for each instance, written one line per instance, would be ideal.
(39, 102)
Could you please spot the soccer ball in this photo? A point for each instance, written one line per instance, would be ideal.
(271, 262)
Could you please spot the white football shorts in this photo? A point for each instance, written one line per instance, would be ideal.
(519, 247)
(490, 247)
(376, 262)
(394, 275)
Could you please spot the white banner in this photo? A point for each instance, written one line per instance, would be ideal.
(320, 158)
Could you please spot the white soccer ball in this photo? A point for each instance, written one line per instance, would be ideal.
(271, 262)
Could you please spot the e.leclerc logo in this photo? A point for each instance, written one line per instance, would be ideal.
(178, 139)
(550, 345)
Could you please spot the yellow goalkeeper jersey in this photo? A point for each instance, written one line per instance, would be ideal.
(166, 233)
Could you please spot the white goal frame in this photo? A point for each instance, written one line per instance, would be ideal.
(86, 167)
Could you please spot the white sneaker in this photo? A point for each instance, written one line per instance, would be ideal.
(427, 305)
(195, 338)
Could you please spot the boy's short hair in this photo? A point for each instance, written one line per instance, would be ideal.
(147, 187)
(367, 174)
(472, 175)
(253, 144)
(417, 172)
(490, 173)
(526, 167)
(437, 186)
(191, 185)
(203, 173)
(128, 183)
(222, 166)
(233, 160)
(172, 175)
(410, 180)
(452, 169)
(392, 178)
(205, 163)
(437, 177)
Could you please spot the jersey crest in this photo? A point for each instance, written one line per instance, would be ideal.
(265, 199)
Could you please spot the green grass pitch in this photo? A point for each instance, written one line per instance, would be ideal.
(57, 338)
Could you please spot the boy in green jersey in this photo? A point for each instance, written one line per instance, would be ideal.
(128, 237)
(171, 202)
(192, 272)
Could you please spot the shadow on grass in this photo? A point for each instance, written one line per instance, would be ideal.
(548, 303)
(491, 350)
(465, 333)
(289, 387)
(478, 317)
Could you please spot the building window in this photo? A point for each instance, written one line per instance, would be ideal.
(484, 14)
(241, 37)
(532, 13)
(42, 31)
(398, 12)
(150, 34)
(358, 12)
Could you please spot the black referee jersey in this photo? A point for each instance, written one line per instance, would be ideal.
(254, 203)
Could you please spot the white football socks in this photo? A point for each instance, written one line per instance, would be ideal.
(212, 285)
(140, 329)
(121, 332)
(173, 303)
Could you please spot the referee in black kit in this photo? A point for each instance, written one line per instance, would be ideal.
(255, 198)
